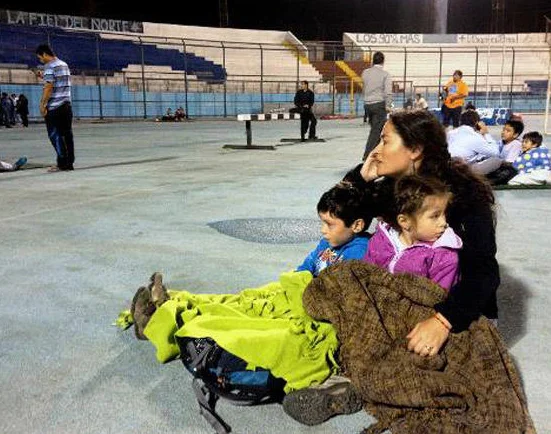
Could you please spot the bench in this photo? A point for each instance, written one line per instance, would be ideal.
(248, 118)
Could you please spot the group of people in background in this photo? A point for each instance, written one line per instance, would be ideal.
(14, 110)
(173, 116)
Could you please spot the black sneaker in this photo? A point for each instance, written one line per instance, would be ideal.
(316, 404)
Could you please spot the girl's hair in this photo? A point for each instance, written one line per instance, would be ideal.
(420, 129)
(410, 193)
(535, 137)
(346, 202)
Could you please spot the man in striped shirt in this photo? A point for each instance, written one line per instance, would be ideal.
(55, 106)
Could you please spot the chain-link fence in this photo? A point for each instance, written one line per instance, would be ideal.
(116, 75)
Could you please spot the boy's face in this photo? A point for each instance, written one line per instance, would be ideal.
(508, 133)
(334, 230)
(528, 144)
(430, 222)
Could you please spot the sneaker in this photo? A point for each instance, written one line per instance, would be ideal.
(316, 404)
(19, 163)
(142, 309)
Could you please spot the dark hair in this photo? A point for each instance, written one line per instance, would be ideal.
(470, 106)
(469, 118)
(44, 49)
(410, 192)
(344, 201)
(419, 128)
(535, 137)
(517, 126)
(458, 72)
(305, 82)
(378, 58)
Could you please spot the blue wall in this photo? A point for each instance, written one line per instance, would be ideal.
(119, 102)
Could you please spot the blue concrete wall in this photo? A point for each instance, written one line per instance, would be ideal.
(119, 102)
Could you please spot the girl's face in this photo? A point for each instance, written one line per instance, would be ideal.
(393, 158)
(429, 223)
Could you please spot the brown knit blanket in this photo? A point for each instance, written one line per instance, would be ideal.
(472, 386)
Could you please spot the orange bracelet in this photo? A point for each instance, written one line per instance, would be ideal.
(442, 322)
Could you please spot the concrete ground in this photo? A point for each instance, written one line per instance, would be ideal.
(77, 245)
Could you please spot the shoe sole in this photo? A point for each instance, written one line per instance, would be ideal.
(314, 406)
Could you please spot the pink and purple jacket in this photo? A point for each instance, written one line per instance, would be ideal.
(438, 261)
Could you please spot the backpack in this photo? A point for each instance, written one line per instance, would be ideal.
(219, 373)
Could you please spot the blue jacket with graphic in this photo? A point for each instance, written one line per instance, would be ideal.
(324, 255)
(535, 158)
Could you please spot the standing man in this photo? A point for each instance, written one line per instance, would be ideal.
(377, 99)
(456, 91)
(55, 106)
(304, 100)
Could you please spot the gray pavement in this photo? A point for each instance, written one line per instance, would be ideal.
(147, 196)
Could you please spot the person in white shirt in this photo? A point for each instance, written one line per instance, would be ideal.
(420, 102)
(472, 141)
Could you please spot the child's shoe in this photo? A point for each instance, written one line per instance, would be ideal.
(20, 163)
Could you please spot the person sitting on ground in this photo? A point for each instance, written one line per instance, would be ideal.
(415, 143)
(510, 146)
(471, 141)
(417, 239)
(343, 226)
(168, 116)
(499, 170)
(8, 167)
(420, 102)
(533, 165)
(470, 106)
(179, 114)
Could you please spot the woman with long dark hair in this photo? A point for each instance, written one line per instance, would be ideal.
(414, 142)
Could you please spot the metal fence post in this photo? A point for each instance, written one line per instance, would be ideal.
(475, 76)
(225, 79)
(334, 76)
(143, 79)
(261, 79)
(512, 79)
(405, 71)
(185, 78)
(98, 78)
(440, 77)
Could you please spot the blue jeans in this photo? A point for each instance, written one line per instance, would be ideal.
(59, 125)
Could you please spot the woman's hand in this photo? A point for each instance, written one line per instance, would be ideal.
(428, 336)
(369, 168)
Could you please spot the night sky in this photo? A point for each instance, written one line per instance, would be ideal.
(312, 19)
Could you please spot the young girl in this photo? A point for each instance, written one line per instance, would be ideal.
(417, 238)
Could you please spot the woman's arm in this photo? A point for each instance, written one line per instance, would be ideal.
(476, 292)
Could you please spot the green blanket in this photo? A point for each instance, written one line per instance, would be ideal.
(267, 327)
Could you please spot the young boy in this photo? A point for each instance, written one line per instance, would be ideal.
(343, 225)
(533, 156)
(510, 146)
